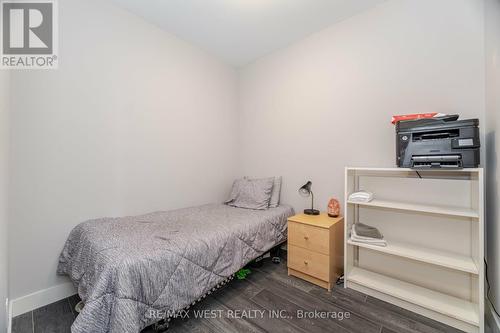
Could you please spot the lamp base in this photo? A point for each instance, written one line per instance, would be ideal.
(311, 211)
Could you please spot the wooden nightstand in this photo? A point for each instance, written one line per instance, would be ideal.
(316, 248)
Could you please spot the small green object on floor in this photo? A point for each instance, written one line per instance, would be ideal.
(242, 273)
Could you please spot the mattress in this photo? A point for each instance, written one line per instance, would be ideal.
(128, 268)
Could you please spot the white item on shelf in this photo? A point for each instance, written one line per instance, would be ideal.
(367, 240)
(366, 231)
(361, 196)
(375, 242)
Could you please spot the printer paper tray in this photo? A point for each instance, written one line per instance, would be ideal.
(437, 161)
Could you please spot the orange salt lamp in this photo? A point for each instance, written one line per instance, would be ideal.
(333, 208)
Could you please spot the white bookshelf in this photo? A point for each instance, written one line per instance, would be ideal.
(434, 228)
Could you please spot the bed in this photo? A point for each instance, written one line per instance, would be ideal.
(128, 270)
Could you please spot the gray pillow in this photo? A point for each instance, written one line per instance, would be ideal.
(237, 184)
(276, 193)
(251, 193)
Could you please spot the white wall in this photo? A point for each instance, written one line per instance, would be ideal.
(326, 102)
(492, 11)
(133, 121)
(4, 146)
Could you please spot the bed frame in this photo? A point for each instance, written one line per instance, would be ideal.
(163, 324)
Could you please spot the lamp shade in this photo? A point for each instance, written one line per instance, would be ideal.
(305, 190)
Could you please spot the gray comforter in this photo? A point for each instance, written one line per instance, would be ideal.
(127, 268)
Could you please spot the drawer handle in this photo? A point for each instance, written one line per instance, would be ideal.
(306, 237)
(305, 262)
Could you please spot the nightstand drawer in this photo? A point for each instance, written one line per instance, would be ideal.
(309, 237)
(309, 262)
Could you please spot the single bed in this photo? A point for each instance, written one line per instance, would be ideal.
(127, 269)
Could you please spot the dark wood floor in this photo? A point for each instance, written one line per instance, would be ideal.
(267, 288)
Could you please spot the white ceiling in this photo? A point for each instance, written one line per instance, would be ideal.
(240, 31)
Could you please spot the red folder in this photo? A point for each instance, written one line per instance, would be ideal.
(395, 119)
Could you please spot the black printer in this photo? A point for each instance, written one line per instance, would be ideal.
(443, 142)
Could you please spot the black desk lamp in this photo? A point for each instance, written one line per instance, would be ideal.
(305, 191)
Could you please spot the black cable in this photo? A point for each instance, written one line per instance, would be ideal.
(489, 287)
(418, 173)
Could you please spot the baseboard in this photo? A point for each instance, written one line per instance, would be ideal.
(40, 298)
(492, 320)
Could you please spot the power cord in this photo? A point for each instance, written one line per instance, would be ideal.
(418, 173)
(489, 287)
